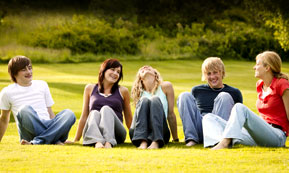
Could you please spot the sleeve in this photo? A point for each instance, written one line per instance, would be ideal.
(48, 98)
(239, 96)
(283, 84)
(4, 100)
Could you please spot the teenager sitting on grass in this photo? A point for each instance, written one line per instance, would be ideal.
(154, 100)
(31, 101)
(215, 97)
(247, 128)
(103, 103)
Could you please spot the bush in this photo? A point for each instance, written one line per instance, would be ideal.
(85, 34)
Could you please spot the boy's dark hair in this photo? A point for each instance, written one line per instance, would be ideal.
(16, 64)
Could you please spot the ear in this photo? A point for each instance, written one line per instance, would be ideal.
(268, 68)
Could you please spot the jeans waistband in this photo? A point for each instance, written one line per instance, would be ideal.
(277, 126)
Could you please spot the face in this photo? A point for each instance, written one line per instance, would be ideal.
(111, 75)
(260, 69)
(24, 76)
(214, 79)
(146, 70)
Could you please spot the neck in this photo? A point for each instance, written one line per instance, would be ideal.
(149, 83)
(25, 84)
(268, 80)
(107, 88)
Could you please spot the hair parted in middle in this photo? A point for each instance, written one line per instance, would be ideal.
(107, 64)
(212, 64)
(138, 86)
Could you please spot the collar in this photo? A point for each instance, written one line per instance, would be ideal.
(261, 82)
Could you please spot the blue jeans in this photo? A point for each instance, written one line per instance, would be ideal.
(192, 118)
(38, 131)
(244, 127)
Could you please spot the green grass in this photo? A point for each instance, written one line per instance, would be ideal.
(67, 82)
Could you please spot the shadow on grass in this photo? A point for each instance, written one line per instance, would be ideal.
(68, 87)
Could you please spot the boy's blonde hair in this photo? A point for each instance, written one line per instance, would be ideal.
(212, 64)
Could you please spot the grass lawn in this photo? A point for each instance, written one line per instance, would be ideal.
(67, 82)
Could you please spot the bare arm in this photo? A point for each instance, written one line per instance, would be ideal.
(169, 91)
(4, 121)
(85, 111)
(285, 99)
(51, 113)
(126, 109)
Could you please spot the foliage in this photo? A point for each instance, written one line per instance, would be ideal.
(158, 30)
(85, 34)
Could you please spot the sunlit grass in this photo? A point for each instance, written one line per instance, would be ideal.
(67, 82)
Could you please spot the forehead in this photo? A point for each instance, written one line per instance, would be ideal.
(118, 68)
(213, 71)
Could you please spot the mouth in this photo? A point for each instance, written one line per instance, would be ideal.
(28, 76)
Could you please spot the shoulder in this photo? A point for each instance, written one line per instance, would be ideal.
(282, 81)
(9, 88)
(200, 87)
(166, 85)
(39, 84)
(228, 87)
(5, 91)
(89, 87)
(123, 89)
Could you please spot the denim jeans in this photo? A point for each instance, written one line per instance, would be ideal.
(103, 126)
(38, 131)
(192, 118)
(149, 122)
(244, 127)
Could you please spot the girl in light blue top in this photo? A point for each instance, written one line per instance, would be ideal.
(154, 100)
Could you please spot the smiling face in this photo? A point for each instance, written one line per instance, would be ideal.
(112, 75)
(214, 79)
(24, 76)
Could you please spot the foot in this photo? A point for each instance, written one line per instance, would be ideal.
(154, 145)
(98, 145)
(191, 143)
(59, 143)
(24, 142)
(143, 145)
(107, 145)
(223, 144)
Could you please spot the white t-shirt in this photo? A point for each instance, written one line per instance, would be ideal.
(37, 95)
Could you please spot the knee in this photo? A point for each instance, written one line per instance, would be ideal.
(105, 108)
(185, 97)
(239, 107)
(225, 96)
(208, 116)
(69, 115)
(106, 112)
(143, 101)
(155, 100)
(25, 111)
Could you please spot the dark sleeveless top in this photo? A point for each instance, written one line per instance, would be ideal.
(114, 101)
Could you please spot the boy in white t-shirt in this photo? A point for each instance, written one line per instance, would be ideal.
(30, 102)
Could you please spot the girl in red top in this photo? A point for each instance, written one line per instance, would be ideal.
(271, 128)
